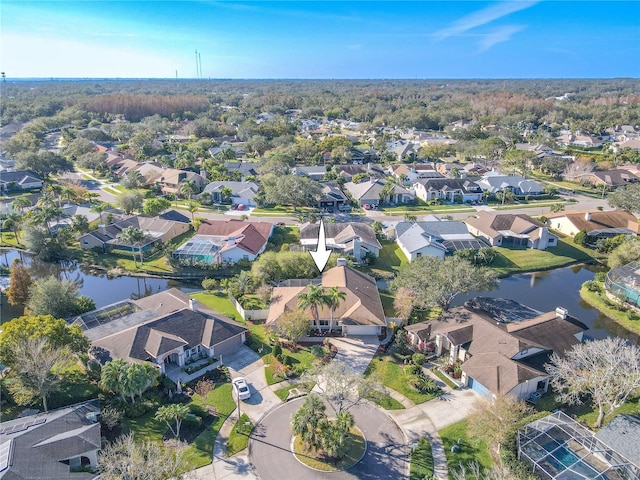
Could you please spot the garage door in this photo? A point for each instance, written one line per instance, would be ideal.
(478, 387)
(228, 346)
(357, 330)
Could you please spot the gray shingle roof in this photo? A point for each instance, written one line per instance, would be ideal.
(622, 434)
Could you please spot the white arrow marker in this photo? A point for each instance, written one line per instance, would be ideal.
(321, 255)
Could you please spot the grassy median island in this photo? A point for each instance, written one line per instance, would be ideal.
(356, 446)
(470, 450)
(239, 436)
(421, 466)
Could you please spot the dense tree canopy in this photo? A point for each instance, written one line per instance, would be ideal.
(437, 282)
(59, 298)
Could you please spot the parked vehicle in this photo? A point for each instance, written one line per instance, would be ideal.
(241, 388)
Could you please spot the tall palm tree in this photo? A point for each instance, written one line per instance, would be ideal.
(134, 237)
(69, 192)
(14, 222)
(21, 203)
(309, 419)
(56, 190)
(188, 188)
(333, 297)
(313, 298)
(100, 208)
(193, 208)
(46, 213)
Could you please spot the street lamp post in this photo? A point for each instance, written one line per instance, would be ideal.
(239, 426)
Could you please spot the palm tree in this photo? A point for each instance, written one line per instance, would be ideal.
(133, 236)
(225, 194)
(313, 298)
(188, 188)
(377, 227)
(91, 196)
(21, 203)
(56, 190)
(13, 221)
(100, 208)
(69, 192)
(309, 419)
(46, 213)
(333, 297)
(193, 208)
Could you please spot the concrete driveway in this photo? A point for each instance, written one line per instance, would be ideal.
(356, 353)
(248, 364)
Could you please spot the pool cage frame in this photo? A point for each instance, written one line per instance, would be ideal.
(548, 443)
(625, 281)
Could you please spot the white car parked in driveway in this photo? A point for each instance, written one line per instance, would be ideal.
(241, 388)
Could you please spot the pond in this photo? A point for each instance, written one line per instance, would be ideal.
(547, 290)
(543, 291)
(103, 289)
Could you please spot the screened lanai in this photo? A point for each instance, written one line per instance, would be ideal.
(560, 448)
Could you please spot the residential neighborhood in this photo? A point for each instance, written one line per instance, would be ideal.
(192, 282)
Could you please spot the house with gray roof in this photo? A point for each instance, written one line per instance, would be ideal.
(368, 192)
(161, 228)
(19, 180)
(168, 329)
(332, 198)
(313, 172)
(242, 193)
(494, 182)
(447, 190)
(505, 229)
(55, 445)
(436, 238)
(245, 169)
(356, 239)
(622, 434)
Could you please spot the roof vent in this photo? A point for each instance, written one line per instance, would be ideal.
(193, 304)
(587, 216)
(562, 312)
(341, 262)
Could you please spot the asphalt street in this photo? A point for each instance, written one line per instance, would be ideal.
(387, 455)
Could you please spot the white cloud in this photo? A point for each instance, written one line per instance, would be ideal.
(482, 17)
(499, 35)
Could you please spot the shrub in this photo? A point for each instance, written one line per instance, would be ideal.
(418, 358)
(209, 284)
(581, 238)
(277, 351)
(593, 286)
(192, 420)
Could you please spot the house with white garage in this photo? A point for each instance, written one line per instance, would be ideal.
(501, 346)
(19, 180)
(360, 313)
(368, 193)
(242, 193)
(355, 238)
(435, 238)
(169, 329)
(494, 182)
(448, 190)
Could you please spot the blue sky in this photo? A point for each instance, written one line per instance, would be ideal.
(320, 39)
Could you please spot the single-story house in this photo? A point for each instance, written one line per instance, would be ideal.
(609, 178)
(168, 329)
(374, 170)
(368, 192)
(56, 445)
(313, 172)
(356, 239)
(494, 182)
(435, 238)
(499, 358)
(507, 229)
(161, 228)
(403, 150)
(19, 180)
(597, 224)
(332, 197)
(245, 169)
(360, 313)
(220, 241)
(447, 189)
(243, 193)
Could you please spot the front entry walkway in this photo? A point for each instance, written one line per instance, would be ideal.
(176, 374)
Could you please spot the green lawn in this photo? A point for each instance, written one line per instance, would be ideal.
(283, 393)
(217, 301)
(200, 452)
(8, 239)
(516, 260)
(239, 436)
(391, 374)
(444, 378)
(387, 303)
(629, 319)
(470, 449)
(391, 258)
(386, 401)
(421, 461)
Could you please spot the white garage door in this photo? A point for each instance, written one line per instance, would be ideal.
(357, 330)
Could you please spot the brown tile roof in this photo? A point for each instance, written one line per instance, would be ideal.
(251, 236)
(492, 223)
(362, 305)
(492, 346)
(599, 220)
